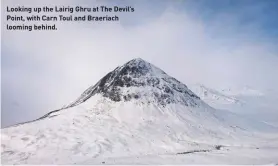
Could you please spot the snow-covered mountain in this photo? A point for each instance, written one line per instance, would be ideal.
(140, 80)
(135, 110)
(246, 101)
(212, 96)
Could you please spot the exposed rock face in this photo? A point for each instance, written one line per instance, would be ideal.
(140, 80)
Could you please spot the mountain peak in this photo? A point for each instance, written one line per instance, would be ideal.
(138, 60)
(138, 67)
(139, 80)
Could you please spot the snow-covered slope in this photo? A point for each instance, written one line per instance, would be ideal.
(214, 97)
(135, 110)
(242, 91)
(246, 101)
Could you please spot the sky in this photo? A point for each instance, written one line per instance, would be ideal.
(218, 43)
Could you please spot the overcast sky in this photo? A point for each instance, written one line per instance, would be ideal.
(218, 43)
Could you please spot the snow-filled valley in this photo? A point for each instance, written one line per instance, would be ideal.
(137, 114)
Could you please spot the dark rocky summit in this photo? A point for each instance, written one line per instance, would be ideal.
(140, 79)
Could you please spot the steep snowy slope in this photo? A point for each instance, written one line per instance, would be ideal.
(135, 110)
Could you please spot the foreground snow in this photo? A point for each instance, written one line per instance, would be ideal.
(101, 130)
(229, 155)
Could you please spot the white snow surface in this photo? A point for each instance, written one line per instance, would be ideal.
(100, 130)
